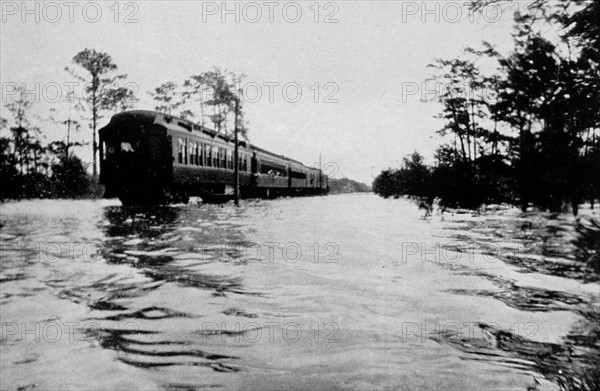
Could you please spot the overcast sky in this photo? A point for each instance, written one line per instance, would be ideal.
(363, 60)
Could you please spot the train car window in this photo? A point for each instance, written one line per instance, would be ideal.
(215, 156)
(222, 158)
(185, 151)
(297, 175)
(184, 125)
(229, 159)
(180, 151)
(192, 152)
(208, 153)
(273, 169)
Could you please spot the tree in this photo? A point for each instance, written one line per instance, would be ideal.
(543, 108)
(69, 122)
(70, 177)
(223, 98)
(583, 26)
(196, 89)
(220, 90)
(24, 134)
(551, 94)
(413, 179)
(26, 162)
(119, 99)
(164, 96)
(465, 101)
(384, 184)
(102, 92)
(8, 171)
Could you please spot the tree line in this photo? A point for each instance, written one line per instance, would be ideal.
(33, 167)
(345, 185)
(214, 95)
(530, 133)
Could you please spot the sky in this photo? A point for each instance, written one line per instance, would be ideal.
(338, 79)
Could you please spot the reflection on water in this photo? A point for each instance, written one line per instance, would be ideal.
(155, 245)
(545, 244)
(330, 292)
(167, 249)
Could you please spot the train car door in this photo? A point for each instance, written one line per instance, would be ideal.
(254, 170)
(160, 155)
(254, 163)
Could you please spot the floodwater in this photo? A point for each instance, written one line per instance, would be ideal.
(336, 292)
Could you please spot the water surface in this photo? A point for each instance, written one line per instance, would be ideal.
(336, 292)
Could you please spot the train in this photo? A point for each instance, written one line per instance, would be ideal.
(148, 157)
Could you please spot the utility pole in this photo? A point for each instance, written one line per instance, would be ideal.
(68, 137)
(236, 162)
(320, 173)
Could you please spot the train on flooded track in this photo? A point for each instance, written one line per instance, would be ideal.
(150, 158)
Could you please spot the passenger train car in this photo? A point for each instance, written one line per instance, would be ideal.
(148, 157)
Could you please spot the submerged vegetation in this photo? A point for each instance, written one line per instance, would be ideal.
(29, 169)
(588, 243)
(528, 135)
